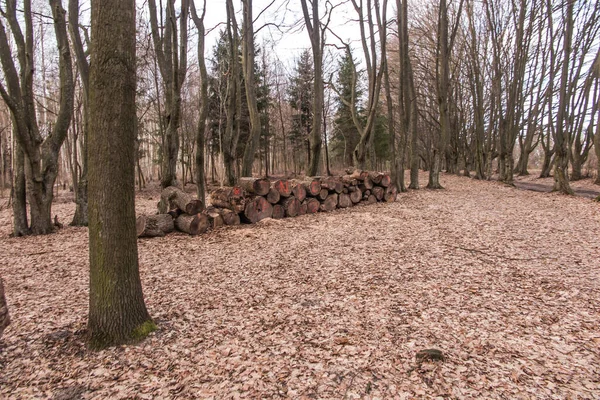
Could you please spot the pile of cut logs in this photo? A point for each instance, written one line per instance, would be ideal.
(255, 199)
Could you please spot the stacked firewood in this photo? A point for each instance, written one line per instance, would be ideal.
(255, 199)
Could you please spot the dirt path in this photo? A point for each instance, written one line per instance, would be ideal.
(505, 282)
(545, 188)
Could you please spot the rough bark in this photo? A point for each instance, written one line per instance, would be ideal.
(192, 224)
(154, 225)
(257, 186)
(117, 312)
(4, 316)
(172, 198)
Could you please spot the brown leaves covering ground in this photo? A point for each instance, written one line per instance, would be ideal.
(504, 282)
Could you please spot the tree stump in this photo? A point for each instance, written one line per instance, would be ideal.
(4, 316)
(257, 186)
(256, 210)
(154, 225)
(192, 224)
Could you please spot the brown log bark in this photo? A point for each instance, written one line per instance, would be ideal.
(356, 195)
(273, 196)
(4, 317)
(283, 186)
(192, 224)
(230, 217)
(256, 210)
(232, 198)
(172, 198)
(257, 186)
(291, 206)
(378, 191)
(391, 193)
(154, 225)
(278, 211)
(330, 203)
(344, 201)
(299, 192)
(312, 205)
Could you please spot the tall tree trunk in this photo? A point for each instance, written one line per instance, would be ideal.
(19, 195)
(250, 83)
(203, 106)
(117, 312)
(561, 163)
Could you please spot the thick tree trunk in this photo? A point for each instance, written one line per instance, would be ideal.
(172, 198)
(192, 224)
(4, 316)
(117, 312)
(257, 186)
(19, 196)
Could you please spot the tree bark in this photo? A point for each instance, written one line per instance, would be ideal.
(192, 224)
(4, 316)
(117, 312)
(154, 225)
(257, 186)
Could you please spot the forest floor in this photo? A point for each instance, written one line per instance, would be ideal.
(505, 282)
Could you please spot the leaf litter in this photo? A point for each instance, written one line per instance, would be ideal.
(504, 282)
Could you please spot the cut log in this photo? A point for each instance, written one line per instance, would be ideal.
(154, 225)
(4, 316)
(257, 186)
(330, 203)
(291, 206)
(355, 195)
(215, 219)
(232, 198)
(273, 196)
(299, 192)
(376, 177)
(172, 198)
(391, 193)
(312, 186)
(283, 186)
(278, 211)
(366, 184)
(363, 175)
(332, 184)
(344, 201)
(303, 209)
(371, 199)
(378, 191)
(312, 205)
(323, 194)
(256, 210)
(230, 217)
(386, 181)
(192, 224)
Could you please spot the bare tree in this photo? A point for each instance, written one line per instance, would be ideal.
(171, 56)
(39, 154)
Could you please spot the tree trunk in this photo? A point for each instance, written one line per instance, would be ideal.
(256, 210)
(172, 198)
(19, 195)
(4, 316)
(257, 186)
(233, 198)
(117, 312)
